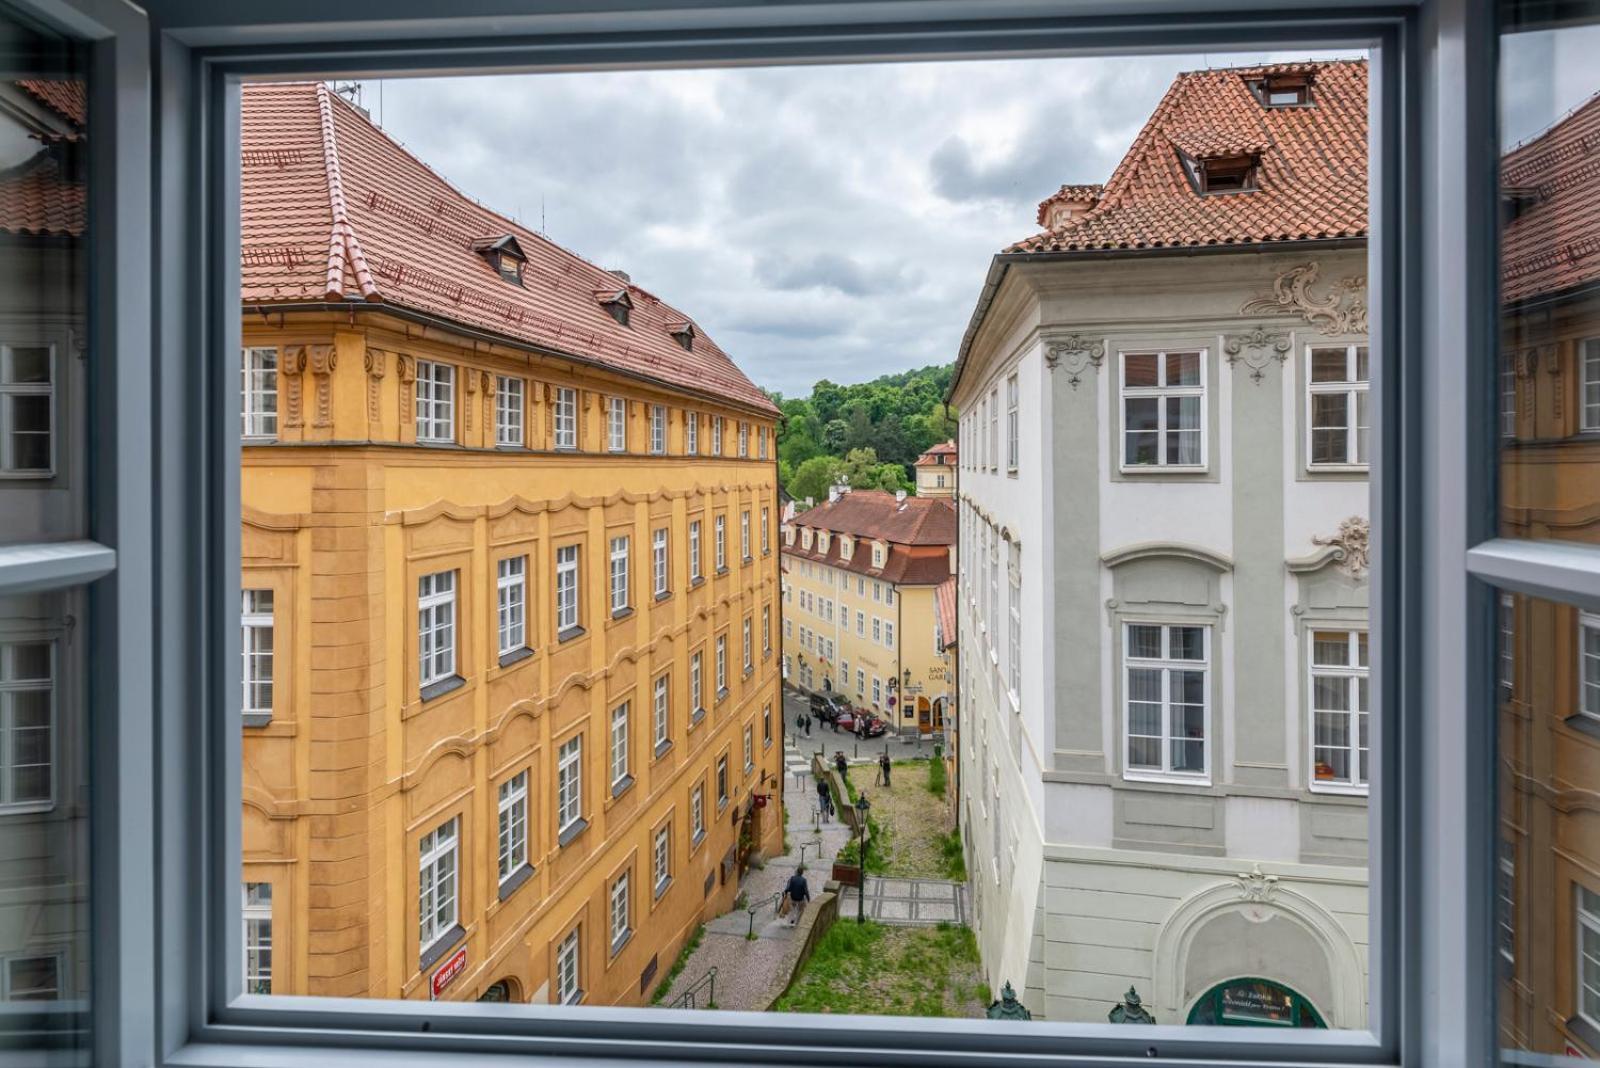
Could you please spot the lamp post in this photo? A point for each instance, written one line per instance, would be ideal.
(862, 805)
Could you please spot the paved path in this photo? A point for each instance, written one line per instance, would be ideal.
(825, 740)
(912, 902)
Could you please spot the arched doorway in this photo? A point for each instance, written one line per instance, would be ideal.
(504, 991)
(924, 716)
(1254, 1002)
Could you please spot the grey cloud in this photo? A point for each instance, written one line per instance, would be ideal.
(829, 270)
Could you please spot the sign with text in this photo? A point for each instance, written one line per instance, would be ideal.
(454, 965)
(1257, 1002)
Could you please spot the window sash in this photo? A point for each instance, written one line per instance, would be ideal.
(620, 926)
(1586, 968)
(619, 743)
(720, 526)
(1013, 433)
(663, 709)
(744, 535)
(662, 858)
(691, 433)
(619, 573)
(1589, 664)
(566, 418)
(569, 783)
(566, 587)
(258, 373)
(256, 636)
(436, 626)
(1590, 369)
(658, 429)
(617, 424)
(694, 550)
(1338, 440)
(436, 388)
(567, 978)
(512, 590)
(1151, 718)
(438, 907)
(716, 435)
(1339, 735)
(722, 663)
(1169, 440)
(658, 549)
(513, 825)
(508, 411)
(256, 923)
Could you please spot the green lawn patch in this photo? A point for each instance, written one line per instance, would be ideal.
(872, 969)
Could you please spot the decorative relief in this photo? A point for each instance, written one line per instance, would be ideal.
(1256, 349)
(488, 403)
(1257, 886)
(1079, 353)
(376, 363)
(471, 383)
(1525, 365)
(290, 370)
(1342, 311)
(406, 367)
(1558, 381)
(324, 359)
(1351, 543)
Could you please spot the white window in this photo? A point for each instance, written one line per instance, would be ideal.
(1013, 429)
(994, 428)
(1588, 968)
(691, 432)
(749, 650)
(258, 387)
(566, 418)
(744, 534)
(722, 782)
(663, 710)
(766, 629)
(761, 442)
(569, 783)
(888, 633)
(508, 410)
(861, 682)
(1014, 624)
(1590, 366)
(844, 673)
(619, 744)
(720, 544)
(766, 529)
(436, 402)
(1508, 397)
(1506, 892)
(1337, 404)
(697, 813)
(566, 588)
(1163, 409)
(766, 726)
(617, 424)
(567, 990)
(436, 626)
(621, 929)
(27, 716)
(257, 916)
(1589, 664)
(1507, 643)
(1165, 700)
(877, 690)
(255, 620)
(1339, 707)
(861, 623)
(694, 551)
(744, 440)
(888, 595)
(722, 664)
(658, 429)
(658, 560)
(437, 884)
(619, 574)
(513, 810)
(662, 859)
(749, 749)
(512, 590)
(716, 435)
(697, 693)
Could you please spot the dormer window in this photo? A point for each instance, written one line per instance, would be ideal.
(504, 255)
(683, 334)
(617, 304)
(1515, 201)
(847, 547)
(1221, 174)
(822, 542)
(1283, 90)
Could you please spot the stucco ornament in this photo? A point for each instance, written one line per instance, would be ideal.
(1256, 349)
(1257, 886)
(1351, 541)
(1079, 353)
(1342, 311)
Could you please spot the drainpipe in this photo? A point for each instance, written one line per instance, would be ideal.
(960, 555)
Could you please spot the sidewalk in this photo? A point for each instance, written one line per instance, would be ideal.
(823, 739)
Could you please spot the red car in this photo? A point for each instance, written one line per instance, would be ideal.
(876, 728)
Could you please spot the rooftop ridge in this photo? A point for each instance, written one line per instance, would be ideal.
(344, 246)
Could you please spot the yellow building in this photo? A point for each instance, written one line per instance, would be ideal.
(511, 725)
(861, 579)
(936, 471)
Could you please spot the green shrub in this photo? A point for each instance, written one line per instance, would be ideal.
(677, 966)
(936, 777)
(955, 861)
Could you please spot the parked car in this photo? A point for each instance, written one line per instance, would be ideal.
(876, 728)
(827, 707)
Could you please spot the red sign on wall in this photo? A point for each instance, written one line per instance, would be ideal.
(453, 966)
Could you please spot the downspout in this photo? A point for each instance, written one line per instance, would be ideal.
(956, 688)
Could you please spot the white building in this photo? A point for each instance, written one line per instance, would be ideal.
(1162, 591)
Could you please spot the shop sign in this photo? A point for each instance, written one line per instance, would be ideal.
(453, 966)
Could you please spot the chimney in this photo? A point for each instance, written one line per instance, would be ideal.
(810, 501)
(622, 275)
(900, 498)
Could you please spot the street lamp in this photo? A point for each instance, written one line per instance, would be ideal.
(862, 805)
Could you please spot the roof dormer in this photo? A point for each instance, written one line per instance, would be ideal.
(847, 546)
(617, 303)
(1283, 89)
(822, 541)
(683, 333)
(504, 255)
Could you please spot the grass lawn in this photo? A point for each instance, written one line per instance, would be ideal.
(913, 826)
(873, 969)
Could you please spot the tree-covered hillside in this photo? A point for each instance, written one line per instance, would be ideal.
(871, 432)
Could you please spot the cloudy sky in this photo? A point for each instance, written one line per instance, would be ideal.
(819, 222)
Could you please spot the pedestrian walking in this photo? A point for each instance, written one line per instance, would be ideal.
(808, 726)
(798, 893)
(843, 765)
(883, 768)
(824, 799)
(799, 721)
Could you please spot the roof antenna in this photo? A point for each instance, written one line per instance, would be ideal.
(542, 231)
(351, 91)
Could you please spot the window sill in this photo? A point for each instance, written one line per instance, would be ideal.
(440, 946)
(621, 941)
(722, 694)
(571, 832)
(442, 687)
(255, 719)
(749, 669)
(619, 614)
(515, 656)
(1583, 724)
(515, 880)
(1174, 779)
(1157, 470)
(621, 786)
(1337, 789)
(696, 841)
(1586, 1032)
(664, 595)
(698, 580)
(663, 747)
(723, 570)
(662, 887)
(722, 805)
(747, 560)
(562, 637)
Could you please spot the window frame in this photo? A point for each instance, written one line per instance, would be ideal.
(431, 606)
(1356, 640)
(511, 806)
(1354, 389)
(253, 913)
(510, 420)
(1588, 375)
(247, 410)
(433, 848)
(511, 598)
(564, 419)
(439, 397)
(253, 620)
(1166, 664)
(568, 590)
(620, 574)
(616, 424)
(1583, 919)
(1162, 392)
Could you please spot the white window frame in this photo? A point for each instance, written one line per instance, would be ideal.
(621, 911)
(719, 542)
(661, 859)
(620, 578)
(722, 665)
(697, 813)
(10, 686)
(438, 873)
(661, 710)
(568, 586)
(1162, 392)
(1506, 902)
(1508, 397)
(616, 424)
(716, 435)
(744, 440)
(749, 648)
(1166, 665)
(569, 784)
(569, 988)
(257, 382)
(744, 535)
(564, 419)
(621, 763)
(691, 433)
(749, 748)
(658, 429)
(766, 530)
(1589, 379)
(1353, 672)
(436, 627)
(511, 603)
(659, 560)
(256, 930)
(697, 681)
(695, 573)
(1586, 912)
(256, 613)
(766, 629)
(1588, 693)
(1013, 626)
(510, 411)
(1013, 427)
(436, 403)
(1506, 638)
(511, 809)
(1355, 390)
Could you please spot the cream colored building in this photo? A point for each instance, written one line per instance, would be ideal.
(936, 471)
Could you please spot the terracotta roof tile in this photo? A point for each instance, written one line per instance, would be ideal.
(876, 514)
(1552, 244)
(1080, 193)
(931, 457)
(36, 198)
(1312, 173)
(944, 599)
(68, 98)
(332, 208)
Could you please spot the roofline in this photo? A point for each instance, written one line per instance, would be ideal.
(1001, 263)
(351, 307)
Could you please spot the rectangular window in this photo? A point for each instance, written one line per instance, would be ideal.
(861, 682)
(255, 621)
(616, 424)
(691, 433)
(436, 402)
(1339, 707)
(661, 859)
(437, 884)
(1589, 664)
(619, 745)
(1507, 646)
(744, 441)
(694, 551)
(436, 626)
(621, 929)
(258, 387)
(722, 782)
(1163, 409)
(1013, 427)
(1588, 964)
(877, 629)
(994, 428)
(766, 629)
(658, 561)
(513, 814)
(1508, 397)
(749, 750)
(766, 531)
(1590, 365)
(257, 917)
(749, 649)
(1506, 905)
(569, 783)
(716, 435)
(877, 690)
(722, 665)
(1014, 635)
(567, 989)
(697, 813)
(766, 726)
(566, 418)
(567, 589)
(761, 442)
(861, 623)
(1165, 701)
(1337, 381)
(744, 534)
(697, 693)
(511, 588)
(888, 633)
(508, 410)
(658, 429)
(720, 542)
(662, 710)
(619, 574)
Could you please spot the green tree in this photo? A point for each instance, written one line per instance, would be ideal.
(814, 477)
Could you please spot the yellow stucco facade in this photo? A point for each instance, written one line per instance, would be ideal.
(363, 780)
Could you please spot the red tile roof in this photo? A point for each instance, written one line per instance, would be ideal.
(1312, 173)
(68, 98)
(931, 457)
(919, 531)
(1076, 193)
(1553, 242)
(333, 209)
(36, 198)
(944, 599)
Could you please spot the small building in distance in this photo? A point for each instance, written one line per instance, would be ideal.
(936, 471)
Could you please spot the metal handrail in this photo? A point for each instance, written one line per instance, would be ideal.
(686, 1000)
